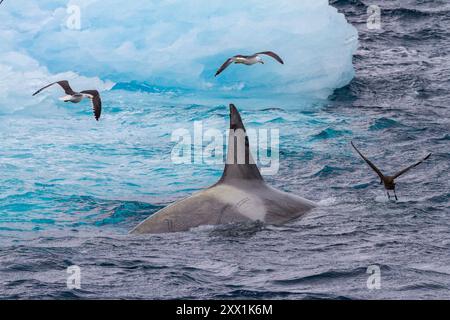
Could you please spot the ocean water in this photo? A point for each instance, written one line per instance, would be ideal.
(71, 189)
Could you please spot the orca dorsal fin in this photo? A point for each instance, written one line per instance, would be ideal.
(240, 164)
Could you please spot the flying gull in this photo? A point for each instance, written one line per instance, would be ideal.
(389, 181)
(75, 97)
(249, 60)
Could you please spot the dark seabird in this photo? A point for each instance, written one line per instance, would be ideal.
(75, 97)
(389, 181)
(249, 60)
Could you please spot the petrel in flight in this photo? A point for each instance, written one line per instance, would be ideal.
(249, 60)
(75, 97)
(389, 181)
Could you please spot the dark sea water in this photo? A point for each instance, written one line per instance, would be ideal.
(71, 201)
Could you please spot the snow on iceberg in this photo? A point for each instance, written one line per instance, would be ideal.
(177, 44)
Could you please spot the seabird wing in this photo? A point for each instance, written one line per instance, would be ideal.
(273, 55)
(380, 174)
(63, 83)
(398, 174)
(224, 66)
(96, 102)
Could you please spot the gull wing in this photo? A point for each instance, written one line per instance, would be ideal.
(398, 174)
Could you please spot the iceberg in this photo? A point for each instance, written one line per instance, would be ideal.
(174, 44)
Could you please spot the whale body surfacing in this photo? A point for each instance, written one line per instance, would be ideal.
(241, 195)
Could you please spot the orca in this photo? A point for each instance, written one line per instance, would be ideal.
(241, 195)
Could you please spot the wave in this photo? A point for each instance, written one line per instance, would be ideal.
(49, 210)
(356, 3)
